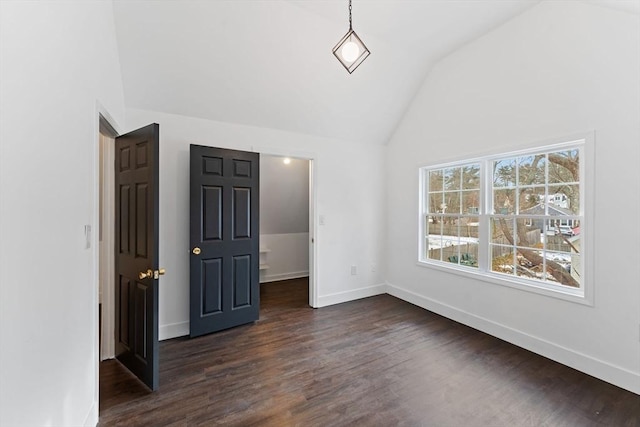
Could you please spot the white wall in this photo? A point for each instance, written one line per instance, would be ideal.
(349, 181)
(557, 69)
(58, 59)
(287, 256)
(284, 195)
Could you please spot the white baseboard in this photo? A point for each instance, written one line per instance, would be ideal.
(283, 276)
(173, 330)
(597, 368)
(340, 297)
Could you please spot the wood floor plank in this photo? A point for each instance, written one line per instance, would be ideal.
(372, 362)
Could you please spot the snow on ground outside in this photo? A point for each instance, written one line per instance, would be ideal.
(435, 242)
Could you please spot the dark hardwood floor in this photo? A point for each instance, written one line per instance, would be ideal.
(377, 361)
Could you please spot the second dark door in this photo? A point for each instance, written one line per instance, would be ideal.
(224, 238)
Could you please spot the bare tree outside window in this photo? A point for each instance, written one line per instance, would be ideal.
(532, 218)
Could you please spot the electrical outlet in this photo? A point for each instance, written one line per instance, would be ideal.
(374, 268)
(321, 219)
(354, 270)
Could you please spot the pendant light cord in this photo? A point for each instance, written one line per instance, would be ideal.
(350, 26)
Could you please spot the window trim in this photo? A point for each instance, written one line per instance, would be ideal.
(585, 294)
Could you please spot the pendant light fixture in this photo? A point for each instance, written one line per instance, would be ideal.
(350, 50)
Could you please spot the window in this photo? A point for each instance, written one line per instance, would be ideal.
(452, 214)
(515, 218)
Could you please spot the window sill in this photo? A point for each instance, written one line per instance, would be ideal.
(578, 296)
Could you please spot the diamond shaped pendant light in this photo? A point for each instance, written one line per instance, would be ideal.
(350, 50)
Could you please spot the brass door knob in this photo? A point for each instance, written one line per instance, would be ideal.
(158, 273)
(145, 274)
(196, 251)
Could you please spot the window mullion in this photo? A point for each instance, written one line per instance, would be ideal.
(483, 221)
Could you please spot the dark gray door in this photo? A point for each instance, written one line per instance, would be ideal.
(224, 237)
(136, 252)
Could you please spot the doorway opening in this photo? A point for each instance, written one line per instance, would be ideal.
(287, 235)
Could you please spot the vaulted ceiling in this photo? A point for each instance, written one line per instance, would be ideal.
(269, 63)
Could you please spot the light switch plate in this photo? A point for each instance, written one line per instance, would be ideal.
(87, 236)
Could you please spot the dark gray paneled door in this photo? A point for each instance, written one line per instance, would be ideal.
(224, 237)
(136, 252)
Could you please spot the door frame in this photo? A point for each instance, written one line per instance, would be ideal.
(106, 123)
(313, 237)
(313, 222)
(101, 116)
(105, 227)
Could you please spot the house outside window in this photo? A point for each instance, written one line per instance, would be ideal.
(515, 217)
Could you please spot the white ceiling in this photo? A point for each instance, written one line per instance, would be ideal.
(269, 63)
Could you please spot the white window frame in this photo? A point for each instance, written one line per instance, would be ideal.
(583, 295)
